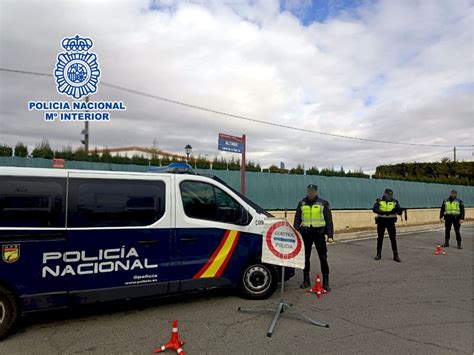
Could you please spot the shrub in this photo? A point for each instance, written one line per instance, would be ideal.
(202, 163)
(81, 155)
(155, 161)
(219, 164)
(5, 151)
(299, 170)
(312, 171)
(252, 166)
(43, 150)
(276, 169)
(94, 157)
(106, 157)
(21, 150)
(140, 160)
(66, 153)
(234, 164)
(165, 161)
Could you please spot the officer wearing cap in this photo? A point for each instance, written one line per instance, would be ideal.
(313, 219)
(452, 211)
(387, 209)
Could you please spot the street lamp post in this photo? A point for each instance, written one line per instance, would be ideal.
(188, 149)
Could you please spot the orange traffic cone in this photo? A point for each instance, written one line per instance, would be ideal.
(317, 289)
(439, 251)
(174, 344)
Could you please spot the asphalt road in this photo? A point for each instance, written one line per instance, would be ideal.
(423, 305)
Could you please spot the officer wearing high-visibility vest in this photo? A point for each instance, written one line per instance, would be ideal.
(452, 211)
(313, 219)
(387, 209)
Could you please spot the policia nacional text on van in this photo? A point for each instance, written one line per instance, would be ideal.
(76, 237)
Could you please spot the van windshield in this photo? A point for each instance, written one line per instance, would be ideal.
(257, 208)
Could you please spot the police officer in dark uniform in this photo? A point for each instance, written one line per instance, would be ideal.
(313, 219)
(452, 211)
(387, 209)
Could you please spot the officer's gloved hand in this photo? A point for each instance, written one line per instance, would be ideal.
(330, 239)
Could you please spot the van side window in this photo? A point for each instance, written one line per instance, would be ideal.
(115, 203)
(205, 201)
(32, 202)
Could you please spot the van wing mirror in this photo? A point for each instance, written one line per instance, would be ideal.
(245, 217)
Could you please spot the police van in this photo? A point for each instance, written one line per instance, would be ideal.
(71, 237)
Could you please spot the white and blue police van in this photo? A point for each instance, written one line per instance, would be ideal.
(72, 237)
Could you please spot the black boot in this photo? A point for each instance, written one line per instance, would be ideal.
(379, 255)
(446, 244)
(459, 244)
(326, 283)
(396, 257)
(306, 283)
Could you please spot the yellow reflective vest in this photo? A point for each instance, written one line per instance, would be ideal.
(312, 215)
(387, 206)
(451, 208)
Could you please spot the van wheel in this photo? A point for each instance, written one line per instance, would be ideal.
(8, 312)
(259, 281)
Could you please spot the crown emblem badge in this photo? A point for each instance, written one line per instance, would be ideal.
(77, 71)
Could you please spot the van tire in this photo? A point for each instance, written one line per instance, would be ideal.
(258, 281)
(8, 312)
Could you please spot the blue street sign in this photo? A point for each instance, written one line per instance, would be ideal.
(229, 143)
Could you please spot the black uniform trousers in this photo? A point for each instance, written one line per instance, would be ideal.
(317, 237)
(389, 225)
(452, 221)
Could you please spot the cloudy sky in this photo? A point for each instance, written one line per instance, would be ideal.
(389, 70)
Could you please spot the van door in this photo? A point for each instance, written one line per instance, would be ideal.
(118, 228)
(32, 224)
(209, 224)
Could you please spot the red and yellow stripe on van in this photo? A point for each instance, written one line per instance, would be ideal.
(218, 261)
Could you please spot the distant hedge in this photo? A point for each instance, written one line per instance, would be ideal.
(445, 172)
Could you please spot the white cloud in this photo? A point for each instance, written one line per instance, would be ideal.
(398, 71)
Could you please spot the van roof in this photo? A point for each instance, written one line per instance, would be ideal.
(173, 168)
(7, 170)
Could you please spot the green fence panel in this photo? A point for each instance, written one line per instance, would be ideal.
(26, 163)
(280, 191)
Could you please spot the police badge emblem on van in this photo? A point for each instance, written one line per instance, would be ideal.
(10, 253)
